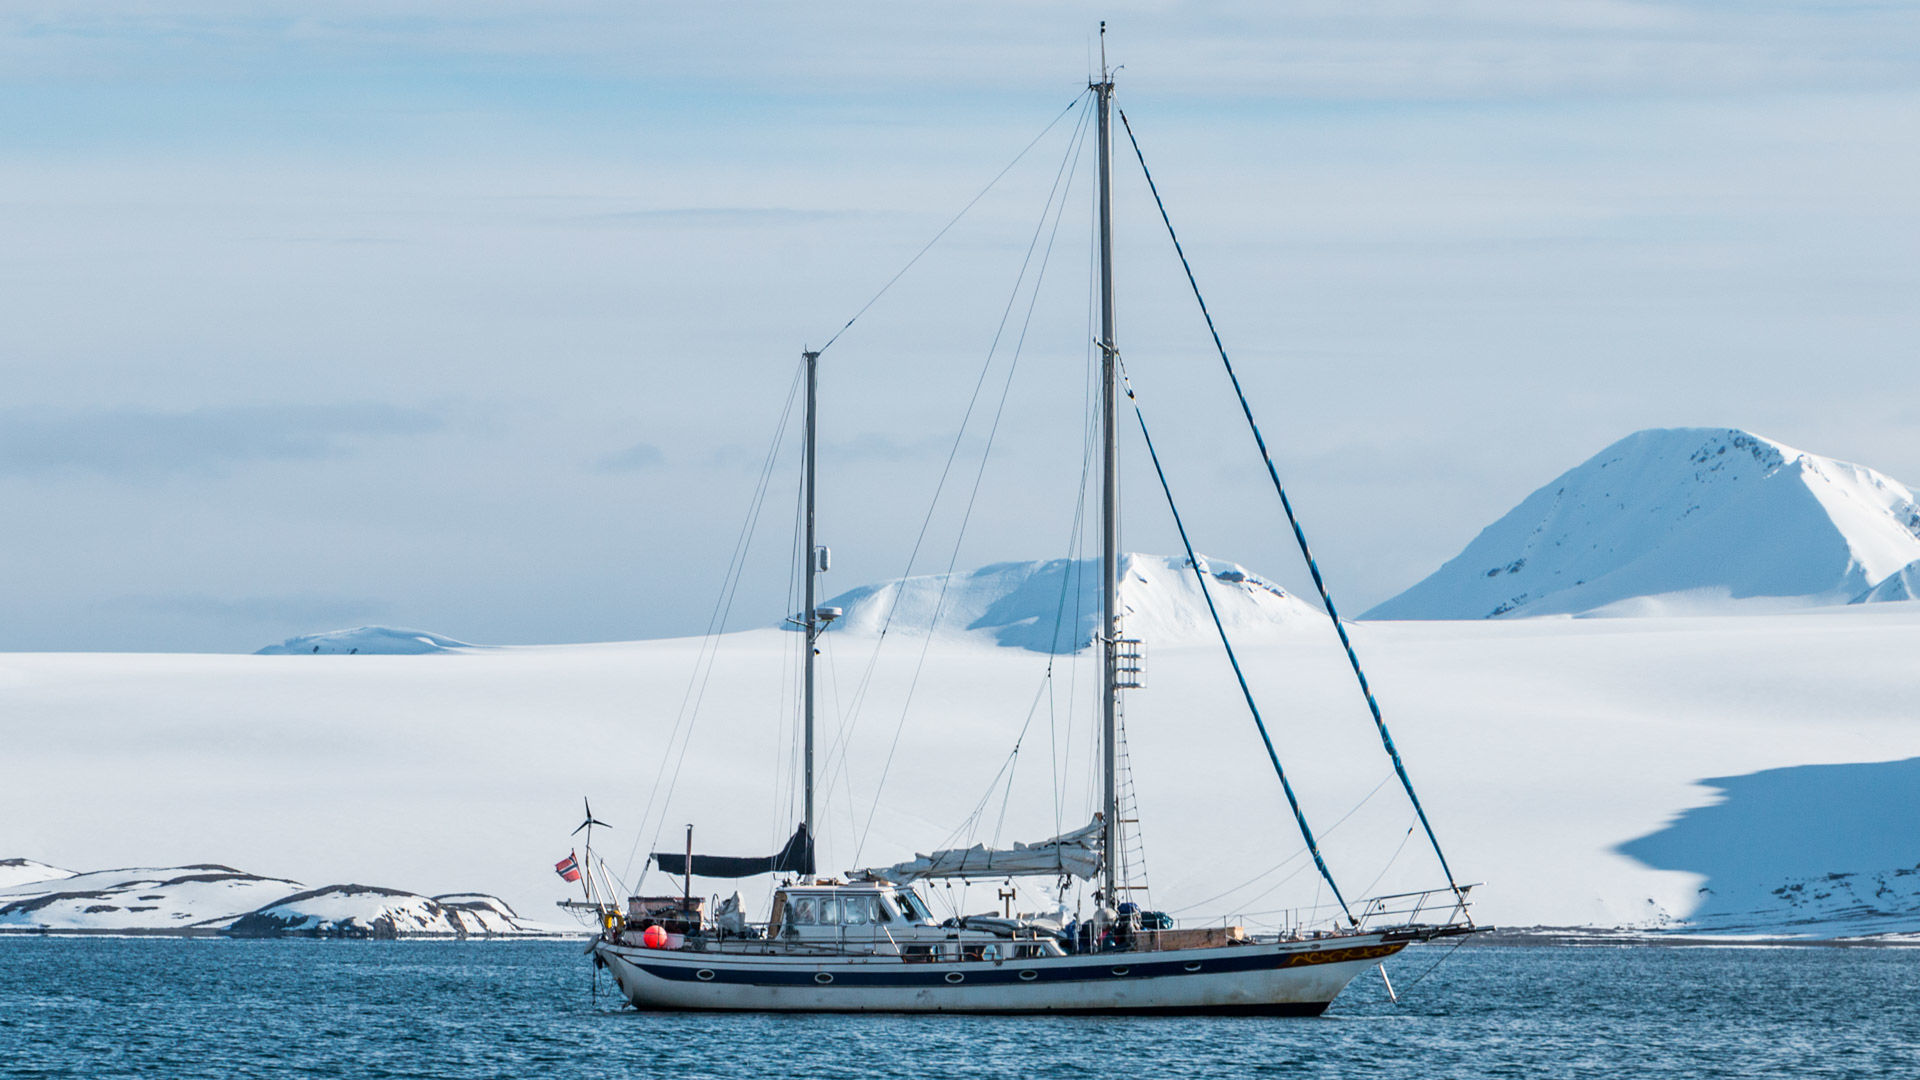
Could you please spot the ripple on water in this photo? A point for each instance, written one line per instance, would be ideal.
(86, 1007)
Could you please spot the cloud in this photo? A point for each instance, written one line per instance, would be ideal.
(632, 459)
(1448, 242)
(1396, 49)
(149, 442)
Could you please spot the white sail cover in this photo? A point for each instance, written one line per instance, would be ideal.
(1076, 853)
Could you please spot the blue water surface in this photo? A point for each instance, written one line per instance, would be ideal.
(99, 1007)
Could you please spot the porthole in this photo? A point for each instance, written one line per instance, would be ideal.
(1121, 971)
(1194, 966)
(703, 975)
(954, 977)
(1029, 975)
(823, 978)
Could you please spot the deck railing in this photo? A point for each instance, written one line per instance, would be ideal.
(1428, 907)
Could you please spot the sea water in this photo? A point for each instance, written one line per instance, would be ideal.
(111, 1007)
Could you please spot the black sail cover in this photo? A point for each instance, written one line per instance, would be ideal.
(795, 858)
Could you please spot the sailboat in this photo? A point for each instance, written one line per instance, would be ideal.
(868, 941)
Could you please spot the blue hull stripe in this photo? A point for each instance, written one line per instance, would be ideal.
(1125, 966)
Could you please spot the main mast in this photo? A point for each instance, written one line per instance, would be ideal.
(1109, 505)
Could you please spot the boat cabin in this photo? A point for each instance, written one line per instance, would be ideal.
(864, 916)
(814, 911)
(874, 917)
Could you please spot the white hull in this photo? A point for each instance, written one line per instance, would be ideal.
(1298, 978)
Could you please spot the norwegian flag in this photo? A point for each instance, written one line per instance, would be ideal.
(568, 868)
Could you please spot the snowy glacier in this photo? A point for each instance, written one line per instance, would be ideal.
(1547, 751)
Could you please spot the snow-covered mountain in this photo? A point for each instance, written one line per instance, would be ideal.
(366, 641)
(1053, 606)
(1902, 584)
(1684, 520)
(208, 898)
(174, 899)
(368, 911)
(26, 872)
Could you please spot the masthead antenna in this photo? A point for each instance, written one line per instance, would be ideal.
(1103, 50)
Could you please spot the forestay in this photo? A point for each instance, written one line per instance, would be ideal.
(1076, 853)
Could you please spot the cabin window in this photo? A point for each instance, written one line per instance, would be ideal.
(805, 911)
(829, 911)
(862, 910)
(912, 906)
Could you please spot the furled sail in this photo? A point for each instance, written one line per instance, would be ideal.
(795, 858)
(1076, 853)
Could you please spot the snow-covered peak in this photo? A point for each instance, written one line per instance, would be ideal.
(1681, 519)
(1053, 606)
(1902, 584)
(27, 872)
(366, 640)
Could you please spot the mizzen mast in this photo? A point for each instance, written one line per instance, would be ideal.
(814, 558)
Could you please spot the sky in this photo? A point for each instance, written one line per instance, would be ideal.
(482, 318)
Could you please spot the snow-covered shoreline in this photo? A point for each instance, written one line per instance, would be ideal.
(213, 900)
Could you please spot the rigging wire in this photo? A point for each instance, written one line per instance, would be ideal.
(1013, 759)
(826, 647)
(1073, 581)
(1283, 863)
(689, 710)
(792, 664)
(1095, 419)
(1076, 538)
(837, 752)
(1068, 169)
(1070, 581)
(955, 220)
(1431, 968)
(1193, 560)
(969, 825)
(1393, 858)
(1299, 534)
